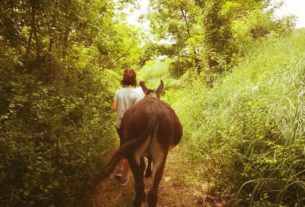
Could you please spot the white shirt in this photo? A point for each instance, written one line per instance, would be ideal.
(126, 97)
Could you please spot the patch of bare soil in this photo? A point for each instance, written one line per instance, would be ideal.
(178, 188)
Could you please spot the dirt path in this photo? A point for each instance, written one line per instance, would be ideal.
(178, 188)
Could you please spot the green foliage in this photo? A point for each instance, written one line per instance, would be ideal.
(217, 37)
(210, 36)
(179, 22)
(41, 27)
(231, 26)
(55, 131)
(56, 126)
(119, 47)
(247, 132)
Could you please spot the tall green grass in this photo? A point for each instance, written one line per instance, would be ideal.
(247, 132)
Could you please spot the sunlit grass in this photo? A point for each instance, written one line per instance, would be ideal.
(248, 129)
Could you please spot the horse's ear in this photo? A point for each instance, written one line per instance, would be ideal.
(143, 86)
(160, 88)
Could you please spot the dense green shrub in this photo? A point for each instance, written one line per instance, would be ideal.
(248, 130)
(56, 129)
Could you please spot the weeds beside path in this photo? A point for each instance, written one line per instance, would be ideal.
(178, 188)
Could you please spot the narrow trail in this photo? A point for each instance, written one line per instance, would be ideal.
(178, 188)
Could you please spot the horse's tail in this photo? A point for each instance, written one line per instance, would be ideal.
(124, 149)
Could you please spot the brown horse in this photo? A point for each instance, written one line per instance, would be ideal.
(150, 128)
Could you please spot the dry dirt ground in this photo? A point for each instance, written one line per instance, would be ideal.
(178, 188)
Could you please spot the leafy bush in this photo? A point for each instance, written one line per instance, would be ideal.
(56, 129)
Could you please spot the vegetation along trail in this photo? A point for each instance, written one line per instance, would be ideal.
(232, 70)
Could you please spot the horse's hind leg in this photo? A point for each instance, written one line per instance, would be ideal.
(152, 195)
(138, 173)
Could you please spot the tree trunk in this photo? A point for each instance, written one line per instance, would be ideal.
(29, 44)
(197, 62)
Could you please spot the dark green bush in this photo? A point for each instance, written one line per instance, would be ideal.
(56, 129)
